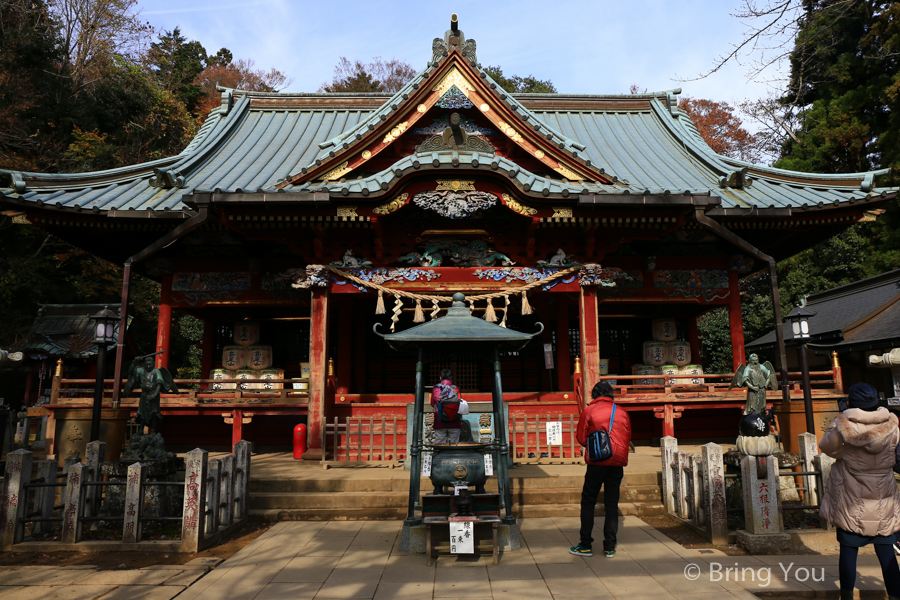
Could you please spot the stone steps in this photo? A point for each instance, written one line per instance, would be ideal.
(386, 498)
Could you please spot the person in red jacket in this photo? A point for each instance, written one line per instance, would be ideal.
(608, 473)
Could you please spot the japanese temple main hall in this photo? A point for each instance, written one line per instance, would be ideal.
(294, 223)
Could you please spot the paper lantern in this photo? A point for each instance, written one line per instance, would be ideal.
(655, 353)
(678, 353)
(246, 333)
(664, 330)
(234, 357)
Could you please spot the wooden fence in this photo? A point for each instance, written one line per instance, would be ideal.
(368, 439)
(214, 501)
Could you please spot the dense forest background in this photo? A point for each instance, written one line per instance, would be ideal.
(89, 85)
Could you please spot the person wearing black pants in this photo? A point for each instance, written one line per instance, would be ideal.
(604, 474)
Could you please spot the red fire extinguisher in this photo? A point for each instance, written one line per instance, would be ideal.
(299, 440)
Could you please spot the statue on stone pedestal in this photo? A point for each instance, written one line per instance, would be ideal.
(152, 382)
(758, 378)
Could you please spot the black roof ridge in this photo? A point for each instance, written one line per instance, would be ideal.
(855, 287)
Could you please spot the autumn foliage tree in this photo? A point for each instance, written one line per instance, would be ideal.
(240, 75)
(721, 129)
(379, 75)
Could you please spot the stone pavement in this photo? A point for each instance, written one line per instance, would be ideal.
(303, 560)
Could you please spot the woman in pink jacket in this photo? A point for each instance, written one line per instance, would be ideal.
(861, 497)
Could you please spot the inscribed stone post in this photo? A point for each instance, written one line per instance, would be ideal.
(714, 482)
(226, 491)
(212, 496)
(823, 464)
(93, 456)
(762, 511)
(681, 484)
(698, 515)
(131, 530)
(808, 450)
(68, 462)
(44, 496)
(194, 512)
(667, 449)
(241, 479)
(15, 497)
(73, 504)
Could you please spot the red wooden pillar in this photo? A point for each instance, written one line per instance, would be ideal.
(318, 370)
(590, 339)
(563, 357)
(163, 333)
(344, 350)
(735, 321)
(208, 361)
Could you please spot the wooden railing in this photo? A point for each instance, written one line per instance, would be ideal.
(369, 439)
(191, 391)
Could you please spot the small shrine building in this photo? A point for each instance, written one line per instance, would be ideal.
(304, 219)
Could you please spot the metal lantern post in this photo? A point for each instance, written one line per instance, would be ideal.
(104, 335)
(799, 318)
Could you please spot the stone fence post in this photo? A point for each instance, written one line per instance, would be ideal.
(808, 450)
(73, 504)
(714, 482)
(698, 510)
(44, 497)
(241, 480)
(226, 490)
(763, 531)
(94, 456)
(134, 505)
(681, 484)
(194, 511)
(668, 447)
(212, 496)
(15, 497)
(823, 464)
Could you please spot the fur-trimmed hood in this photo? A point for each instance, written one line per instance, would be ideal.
(870, 430)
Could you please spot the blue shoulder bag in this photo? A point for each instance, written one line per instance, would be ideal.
(598, 443)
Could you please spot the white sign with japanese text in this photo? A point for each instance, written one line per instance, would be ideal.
(462, 540)
(426, 465)
(488, 465)
(554, 433)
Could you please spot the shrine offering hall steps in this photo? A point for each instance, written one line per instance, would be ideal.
(285, 490)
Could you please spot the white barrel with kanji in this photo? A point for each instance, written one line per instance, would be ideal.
(271, 374)
(234, 357)
(664, 330)
(644, 370)
(655, 353)
(221, 375)
(678, 353)
(246, 333)
(259, 357)
(670, 370)
(691, 370)
(248, 374)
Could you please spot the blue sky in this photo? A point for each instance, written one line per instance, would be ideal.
(598, 47)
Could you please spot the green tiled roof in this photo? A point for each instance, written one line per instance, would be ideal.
(255, 141)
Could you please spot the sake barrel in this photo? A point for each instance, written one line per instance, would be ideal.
(691, 370)
(248, 374)
(670, 370)
(678, 353)
(604, 366)
(221, 375)
(664, 330)
(234, 357)
(259, 357)
(644, 370)
(246, 333)
(655, 353)
(271, 374)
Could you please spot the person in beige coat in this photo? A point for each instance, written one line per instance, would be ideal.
(861, 496)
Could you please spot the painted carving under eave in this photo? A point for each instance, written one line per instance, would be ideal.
(460, 253)
(316, 276)
(595, 275)
(349, 260)
(453, 204)
(560, 259)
